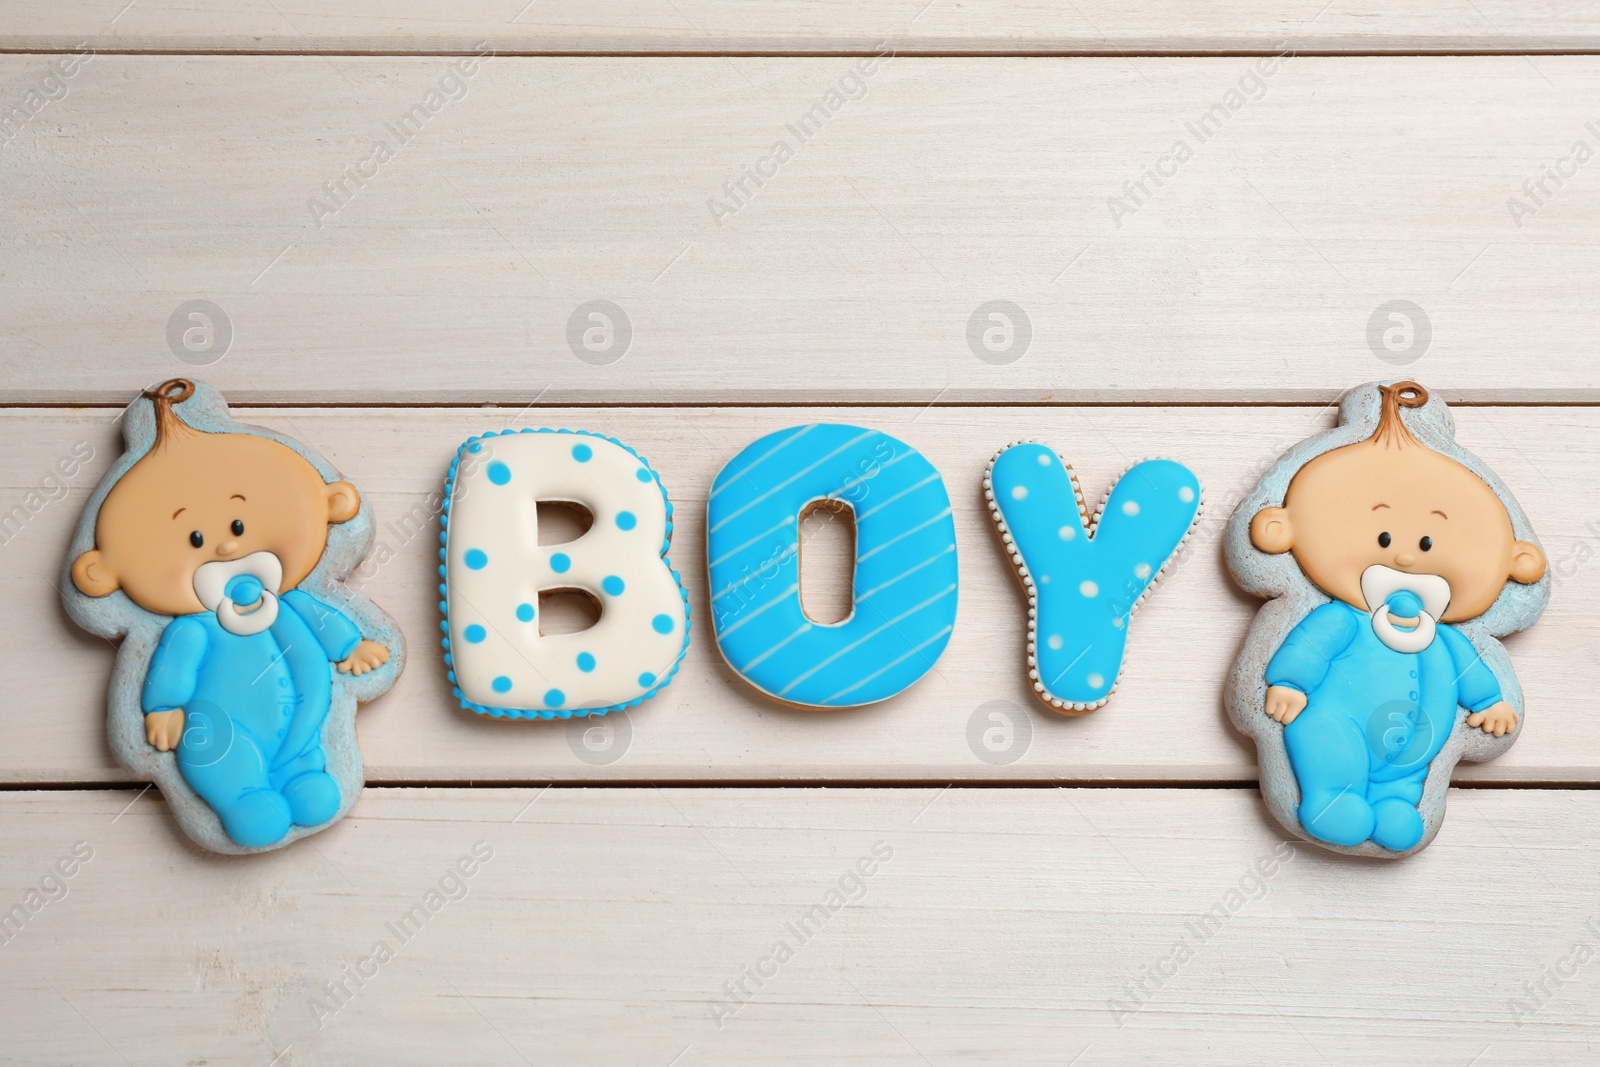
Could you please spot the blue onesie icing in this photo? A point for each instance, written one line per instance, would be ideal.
(1373, 722)
(254, 707)
(905, 586)
(1084, 579)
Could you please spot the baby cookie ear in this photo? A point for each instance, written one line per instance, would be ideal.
(1270, 531)
(1527, 562)
(93, 576)
(343, 501)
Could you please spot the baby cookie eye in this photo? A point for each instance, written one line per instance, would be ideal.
(238, 529)
(1384, 540)
(1425, 544)
(196, 538)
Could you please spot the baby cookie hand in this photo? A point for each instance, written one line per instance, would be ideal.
(1284, 703)
(368, 656)
(164, 728)
(1497, 719)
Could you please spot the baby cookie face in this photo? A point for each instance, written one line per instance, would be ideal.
(200, 497)
(1402, 506)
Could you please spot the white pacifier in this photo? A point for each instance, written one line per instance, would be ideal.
(1392, 594)
(243, 592)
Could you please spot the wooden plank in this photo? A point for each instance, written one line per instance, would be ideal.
(856, 269)
(996, 926)
(1165, 722)
(727, 26)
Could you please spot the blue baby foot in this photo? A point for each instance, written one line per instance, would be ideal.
(1338, 818)
(313, 798)
(257, 818)
(1399, 825)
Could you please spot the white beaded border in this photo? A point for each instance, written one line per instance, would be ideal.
(1090, 526)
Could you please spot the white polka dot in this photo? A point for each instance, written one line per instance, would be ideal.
(1088, 588)
(1044, 579)
(1044, 459)
(1054, 641)
(1067, 533)
(1186, 495)
(1142, 570)
(1130, 507)
(1116, 622)
(1019, 492)
(1096, 681)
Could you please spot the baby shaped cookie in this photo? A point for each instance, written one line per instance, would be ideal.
(1392, 559)
(217, 553)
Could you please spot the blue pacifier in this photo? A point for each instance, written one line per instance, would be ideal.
(1404, 605)
(243, 589)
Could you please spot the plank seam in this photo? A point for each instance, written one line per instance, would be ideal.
(1131, 784)
(490, 408)
(1111, 53)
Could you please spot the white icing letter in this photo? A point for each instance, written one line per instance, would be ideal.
(494, 570)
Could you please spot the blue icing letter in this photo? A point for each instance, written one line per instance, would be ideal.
(905, 584)
(1084, 579)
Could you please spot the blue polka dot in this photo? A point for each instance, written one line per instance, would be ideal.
(501, 684)
(475, 448)
(524, 612)
(474, 633)
(476, 559)
(642, 474)
(555, 698)
(626, 521)
(647, 678)
(662, 624)
(585, 662)
(582, 453)
(559, 562)
(612, 584)
(499, 473)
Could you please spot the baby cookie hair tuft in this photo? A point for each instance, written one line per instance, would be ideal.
(164, 398)
(1392, 431)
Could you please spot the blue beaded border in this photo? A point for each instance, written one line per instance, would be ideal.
(444, 602)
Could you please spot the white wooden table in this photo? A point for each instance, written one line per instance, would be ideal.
(1035, 899)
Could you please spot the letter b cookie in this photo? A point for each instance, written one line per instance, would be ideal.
(494, 570)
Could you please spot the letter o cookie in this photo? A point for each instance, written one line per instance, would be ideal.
(905, 583)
